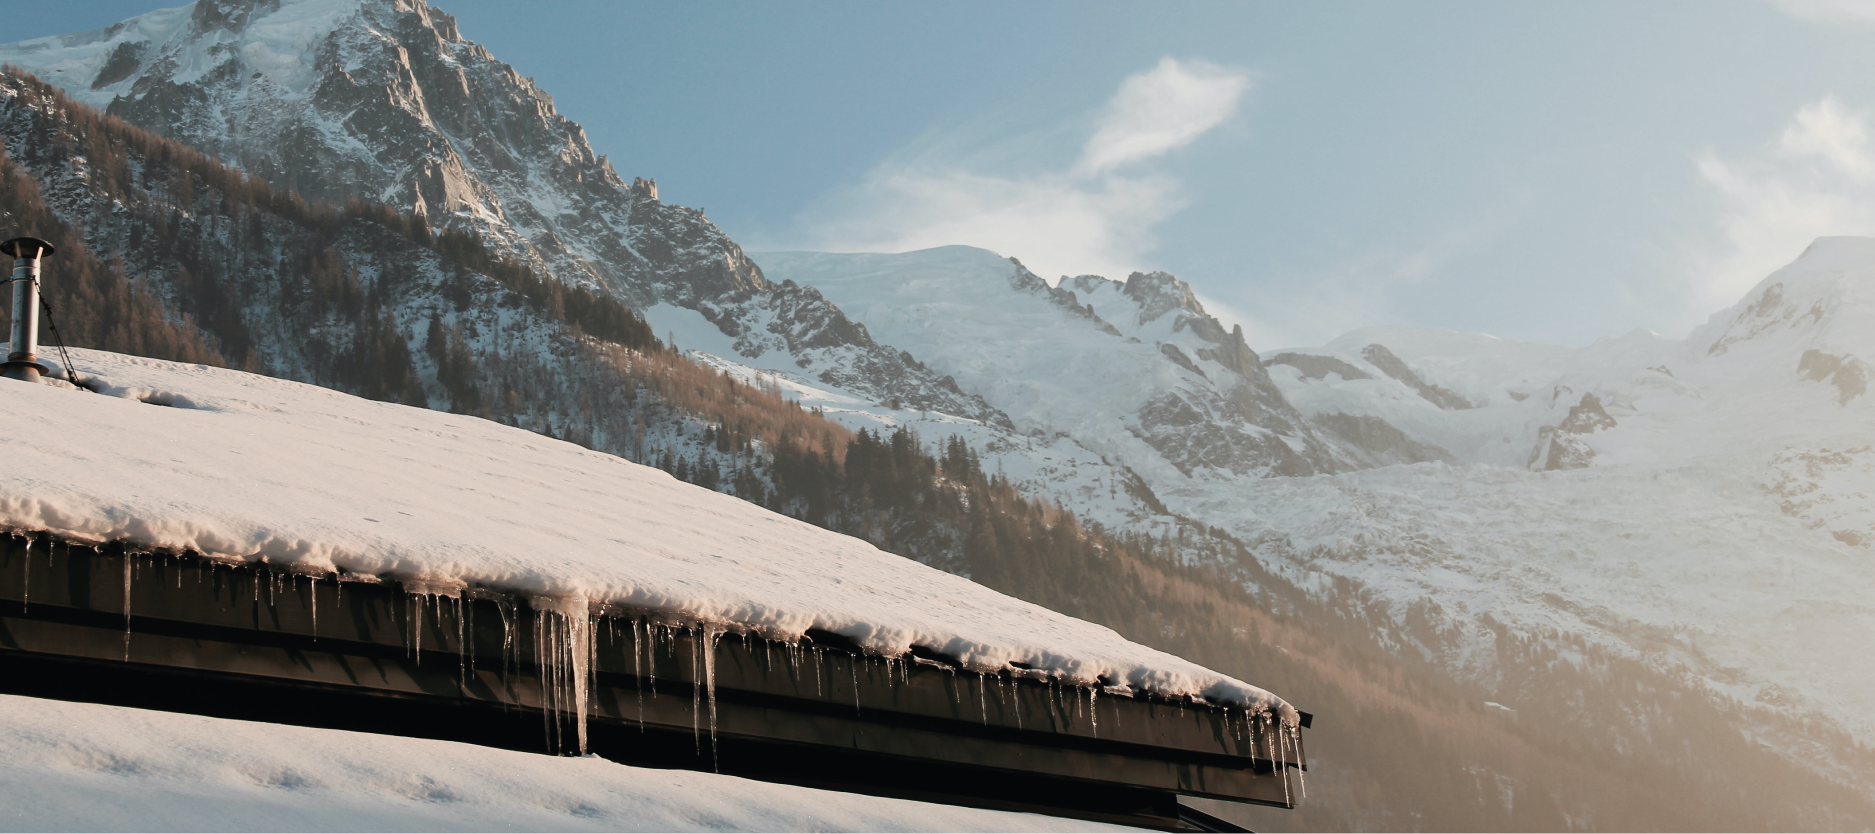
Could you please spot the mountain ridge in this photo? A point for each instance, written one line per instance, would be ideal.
(384, 100)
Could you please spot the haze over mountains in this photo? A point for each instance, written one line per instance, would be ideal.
(1585, 538)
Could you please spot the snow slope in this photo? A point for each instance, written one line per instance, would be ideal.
(1137, 372)
(86, 767)
(1702, 506)
(246, 467)
(1712, 514)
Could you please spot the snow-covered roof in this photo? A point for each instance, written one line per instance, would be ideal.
(233, 465)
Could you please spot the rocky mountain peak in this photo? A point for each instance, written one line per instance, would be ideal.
(385, 100)
(1158, 293)
(1825, 299)
(231, 15)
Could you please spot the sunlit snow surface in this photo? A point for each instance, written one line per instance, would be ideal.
(249, 467)
(281, 47)
(86, 767)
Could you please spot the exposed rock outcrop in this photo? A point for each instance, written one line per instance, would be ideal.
(1849, 374)
(1380, 357)
(1377, 442)
(1313, 366)
(1561, 446)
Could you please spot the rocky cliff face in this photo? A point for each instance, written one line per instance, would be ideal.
(1561, 446)
(385, 99)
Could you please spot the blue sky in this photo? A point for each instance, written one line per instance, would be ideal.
(1551, 172)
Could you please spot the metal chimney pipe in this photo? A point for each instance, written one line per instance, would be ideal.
(23, 348)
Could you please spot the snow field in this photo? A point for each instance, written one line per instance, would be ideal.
(87, 767)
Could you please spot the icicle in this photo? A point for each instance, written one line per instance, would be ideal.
(983, 702)
(462, 653)
(1282, 766)
(1302, 776)
(853, 666)
(563, 654)
(638, 674)
(504, 664)
(416, 624)
(468, 645)
(1262, 734)
(583, 650)
(26, 600)
(651, 658)
(544, 661)
(129, 560)
(1018, 705)
(711, 634)
(1093, 708)
(590, 682)
(696, 690)
(312, 586)
(1054, 711)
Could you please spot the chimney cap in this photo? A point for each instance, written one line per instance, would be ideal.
(24, 247)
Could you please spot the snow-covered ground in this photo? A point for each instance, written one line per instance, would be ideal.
(86, 767)
(245, 467)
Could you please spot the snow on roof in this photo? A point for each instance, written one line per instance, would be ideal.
(90, 767)
(248, 467)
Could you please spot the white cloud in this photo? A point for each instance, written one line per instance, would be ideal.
(1055, 225)
(1366, 287)
(1818, 179)
(1162, 109)
(1828, 132)
(1091, 218)
(1829, 11)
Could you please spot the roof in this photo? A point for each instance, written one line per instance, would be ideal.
(237, 466)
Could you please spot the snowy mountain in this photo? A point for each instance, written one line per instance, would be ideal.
(1704, 502)
(1105, 382)
(1120, 372)
(1700, 506)
(383, 99)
